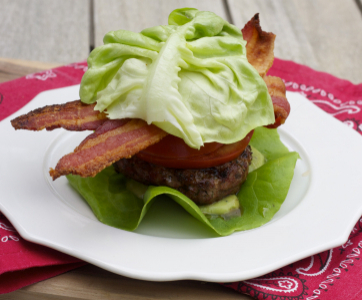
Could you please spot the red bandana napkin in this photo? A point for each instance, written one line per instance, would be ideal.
(334, 274)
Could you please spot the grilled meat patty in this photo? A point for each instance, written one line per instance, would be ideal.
(203, 186)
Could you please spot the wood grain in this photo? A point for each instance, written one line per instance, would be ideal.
(42, 30)
(90, 282)
(324, 35)
(359, 5)
(137, 15)
(93, 283)
(14, 68)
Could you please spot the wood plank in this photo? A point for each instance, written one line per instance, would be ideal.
(137, 15)
(322, 34)
(14, 68)
(90, 282)
(42, 30)
(359, 5)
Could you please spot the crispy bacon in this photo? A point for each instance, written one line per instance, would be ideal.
(113, 140)
(260, 54)
(276, 89)
(259, 47)
(116, 139)
(74, 116)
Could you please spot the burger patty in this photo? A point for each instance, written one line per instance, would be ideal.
(203, 186)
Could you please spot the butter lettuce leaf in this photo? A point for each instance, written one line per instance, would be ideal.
(260, 196)
(191, 78)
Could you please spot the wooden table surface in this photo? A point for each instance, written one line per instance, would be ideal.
(42, 34)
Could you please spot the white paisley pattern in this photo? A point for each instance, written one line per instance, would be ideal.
(42, 75)
(350, 107)
(78, 66)
(287, 284)
(304, 271)
(6, 227)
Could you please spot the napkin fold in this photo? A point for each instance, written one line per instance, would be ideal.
(23, 263)
(333, 274)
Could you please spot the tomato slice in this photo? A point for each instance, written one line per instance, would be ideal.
(173, 152)
(172, 147)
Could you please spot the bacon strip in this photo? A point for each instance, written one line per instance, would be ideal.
(74, 116)
(117, 139)
(259, 47)
(276, 89)
(260, 54)
(113, 140)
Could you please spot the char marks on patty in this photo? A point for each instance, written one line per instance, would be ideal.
(203, 186)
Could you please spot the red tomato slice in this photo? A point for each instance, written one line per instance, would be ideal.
(173, 152)
(172, 147)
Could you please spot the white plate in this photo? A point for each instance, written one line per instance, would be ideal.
(321, 209)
